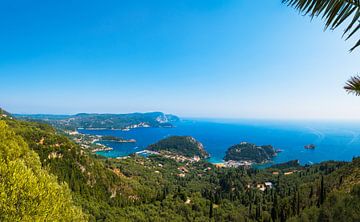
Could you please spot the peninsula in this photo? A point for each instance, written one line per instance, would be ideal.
(181, 146)
(105, 121)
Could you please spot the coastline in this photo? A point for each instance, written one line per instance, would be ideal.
(289, 138)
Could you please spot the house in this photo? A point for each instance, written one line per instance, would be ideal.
(219, 165)
(196, 158)
(269, 185)
(261, 186)
(183, 169)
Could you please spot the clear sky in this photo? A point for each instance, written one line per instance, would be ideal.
(204, 58)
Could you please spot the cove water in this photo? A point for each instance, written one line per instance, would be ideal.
(333, 140)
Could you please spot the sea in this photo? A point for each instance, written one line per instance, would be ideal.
(334, 140)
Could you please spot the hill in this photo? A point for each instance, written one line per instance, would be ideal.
(181, 145)
(161, 189)
(27, 190)
(3, 113)
(105, 121)
(250, 152)
(94, 184)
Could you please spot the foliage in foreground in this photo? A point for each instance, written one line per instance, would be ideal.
(28, 192)
(335, 13)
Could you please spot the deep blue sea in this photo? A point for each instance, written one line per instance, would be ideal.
(333, 140)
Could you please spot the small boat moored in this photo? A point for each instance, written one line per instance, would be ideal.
(310, 147)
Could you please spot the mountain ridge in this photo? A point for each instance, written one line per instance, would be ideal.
(104, 121)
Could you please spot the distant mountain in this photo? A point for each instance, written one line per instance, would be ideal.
(4, 113)
(181, 145)
(250, 152)
(105, 121)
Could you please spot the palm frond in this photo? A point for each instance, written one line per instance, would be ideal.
(334, 12)
(353, 85)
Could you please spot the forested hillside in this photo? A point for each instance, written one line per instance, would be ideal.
(181, 145)
(160, 189)
(27, 191)
(94, 186)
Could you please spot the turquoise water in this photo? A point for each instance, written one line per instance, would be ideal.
(333, 140)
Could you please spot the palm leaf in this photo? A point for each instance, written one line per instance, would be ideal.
(353, 85)
(334, 12)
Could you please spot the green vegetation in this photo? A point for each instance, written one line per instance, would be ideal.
(95, 187)
(44, 176)
(111, 138)
(287, 165)
(116, 139)
(160, 189)
(250, 152)
(3, 112)
(181, 145)
(28, 192)
(333, 12)
(353, 85)
(105, 121)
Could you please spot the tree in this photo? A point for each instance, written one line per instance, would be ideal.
(211, 209)
(353, 85)
(274, 210)
(321, 192)
(335, 13)
(28, 192)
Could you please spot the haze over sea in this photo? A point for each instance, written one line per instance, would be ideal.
(333, 140)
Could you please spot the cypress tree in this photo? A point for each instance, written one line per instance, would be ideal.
(211, 210)
(298, 204)
(322, 192)
(274, 210)
(311, 192)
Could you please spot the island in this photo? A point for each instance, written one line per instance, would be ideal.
(117, 139)
(181, 147)
(250, 153)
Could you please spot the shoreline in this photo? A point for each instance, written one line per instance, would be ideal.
(290, 150)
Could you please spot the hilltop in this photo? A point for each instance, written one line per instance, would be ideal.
(105, 121)
(182, 145)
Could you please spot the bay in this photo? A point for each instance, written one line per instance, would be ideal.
(334, 140)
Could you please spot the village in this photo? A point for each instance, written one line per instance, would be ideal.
(92, 142)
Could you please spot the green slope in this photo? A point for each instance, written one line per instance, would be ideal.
(28, 192)
(151, 189)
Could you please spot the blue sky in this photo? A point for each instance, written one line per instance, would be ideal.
(205, 58)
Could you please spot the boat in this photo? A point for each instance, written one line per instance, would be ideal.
(310, 146)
